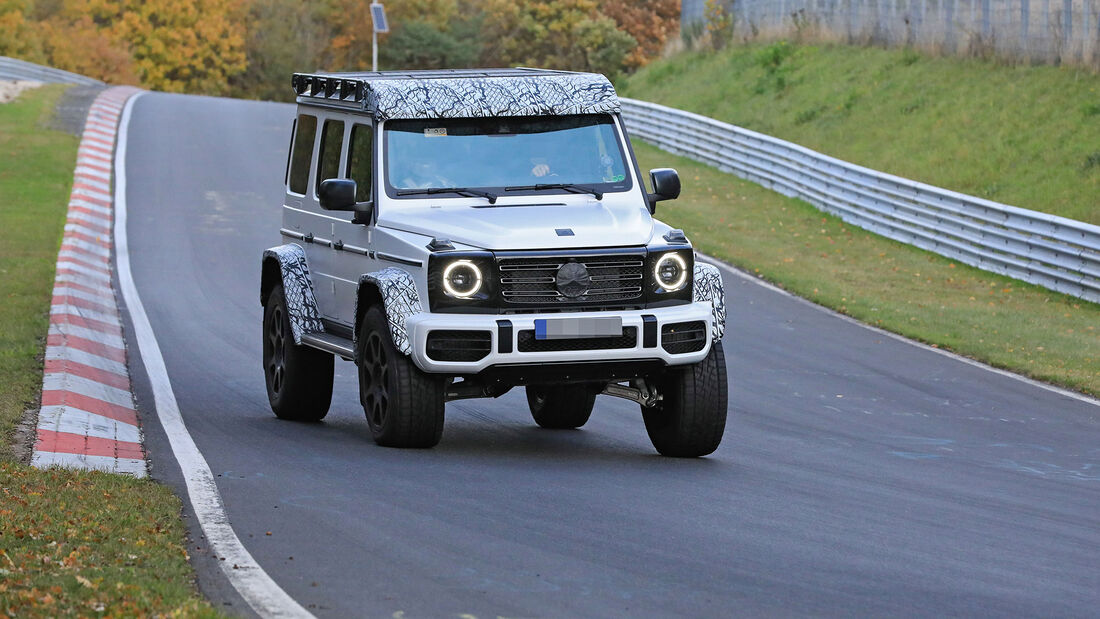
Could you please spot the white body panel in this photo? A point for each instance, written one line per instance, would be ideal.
(403, 227)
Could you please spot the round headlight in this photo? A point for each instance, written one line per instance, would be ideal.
(671, 272)
(461, 279)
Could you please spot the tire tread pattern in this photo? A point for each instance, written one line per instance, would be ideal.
(691, 420)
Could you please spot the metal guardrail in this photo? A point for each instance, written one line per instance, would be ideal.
(1057, 253)
(15, 69)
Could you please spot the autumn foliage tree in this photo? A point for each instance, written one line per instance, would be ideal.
(250, 47)
(171, 45)
(650, 22)
(560, 34)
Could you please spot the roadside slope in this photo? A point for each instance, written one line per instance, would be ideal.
(1025, 136)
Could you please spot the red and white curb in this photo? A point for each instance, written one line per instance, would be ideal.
(88, 419)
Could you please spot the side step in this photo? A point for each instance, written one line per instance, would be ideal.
(331, 344)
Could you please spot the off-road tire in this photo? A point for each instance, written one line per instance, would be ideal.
(403, 405)
(690, 419)
(299, 378)
(560, 407)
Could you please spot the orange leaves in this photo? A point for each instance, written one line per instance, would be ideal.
(650, 22)
(172, 45)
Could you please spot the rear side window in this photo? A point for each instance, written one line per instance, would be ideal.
(328, 163)
(303, 152)
(359, 160)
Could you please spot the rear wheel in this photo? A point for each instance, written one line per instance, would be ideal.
(560, 406)
(690, 418)
(403, 405)
(299, 378)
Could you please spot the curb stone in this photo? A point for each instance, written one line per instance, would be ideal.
(88, 419)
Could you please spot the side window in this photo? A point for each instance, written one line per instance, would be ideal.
(303, 152)
(328, 162)
(359, 160)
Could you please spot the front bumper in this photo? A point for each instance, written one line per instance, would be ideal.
(501, 353)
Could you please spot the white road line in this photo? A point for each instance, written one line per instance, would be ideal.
(261, 592)
(107, 339)
(901, 338)
(135, 467)
(75, 421)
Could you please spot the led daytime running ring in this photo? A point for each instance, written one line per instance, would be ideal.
(451, 290)
(679, 283)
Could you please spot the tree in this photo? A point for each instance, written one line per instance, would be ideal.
(18, 36)
(282, 37)
(420, 45)
(650, 22)
(559, 34)
(350, 27)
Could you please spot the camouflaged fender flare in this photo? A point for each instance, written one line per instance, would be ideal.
(297, 287)
(708, 287)
(399, 298)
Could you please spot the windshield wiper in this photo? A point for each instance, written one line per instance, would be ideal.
(462, 191)
(570, 187)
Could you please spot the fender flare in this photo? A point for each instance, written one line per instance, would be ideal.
(707, 286)
(400, 300)
(301, 304)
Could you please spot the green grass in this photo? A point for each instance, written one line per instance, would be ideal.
(997, 320)
(1022, 135)
(71, 543)
(36, 174)
(89, 544)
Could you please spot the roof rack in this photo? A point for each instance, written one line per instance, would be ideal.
(352, 86)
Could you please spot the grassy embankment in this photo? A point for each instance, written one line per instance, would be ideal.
(1022, 135)
(71, 543)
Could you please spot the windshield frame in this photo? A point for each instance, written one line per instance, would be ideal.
(625, 185)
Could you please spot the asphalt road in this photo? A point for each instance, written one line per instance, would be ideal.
(859, 474)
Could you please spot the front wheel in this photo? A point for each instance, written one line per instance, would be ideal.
(690, 419)
(560, 407)
(299, 378)
(403, 405)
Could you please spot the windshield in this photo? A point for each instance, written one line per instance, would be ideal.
(501, 153)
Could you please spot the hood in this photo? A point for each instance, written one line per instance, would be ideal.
(526, 224)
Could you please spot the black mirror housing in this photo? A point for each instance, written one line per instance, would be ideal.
(337, 194)
(666, 186)
(666, 183)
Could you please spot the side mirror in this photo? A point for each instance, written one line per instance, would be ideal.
(337, 194)
(666, 186)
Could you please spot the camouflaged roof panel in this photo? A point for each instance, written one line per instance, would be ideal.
(536, 95)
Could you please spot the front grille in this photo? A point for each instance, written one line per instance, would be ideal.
(617, 281)
(458, 345)
(528, 343)
(684, 337)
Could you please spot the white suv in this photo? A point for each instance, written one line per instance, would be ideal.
(460, 233)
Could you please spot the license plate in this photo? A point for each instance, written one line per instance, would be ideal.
(574, 328)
